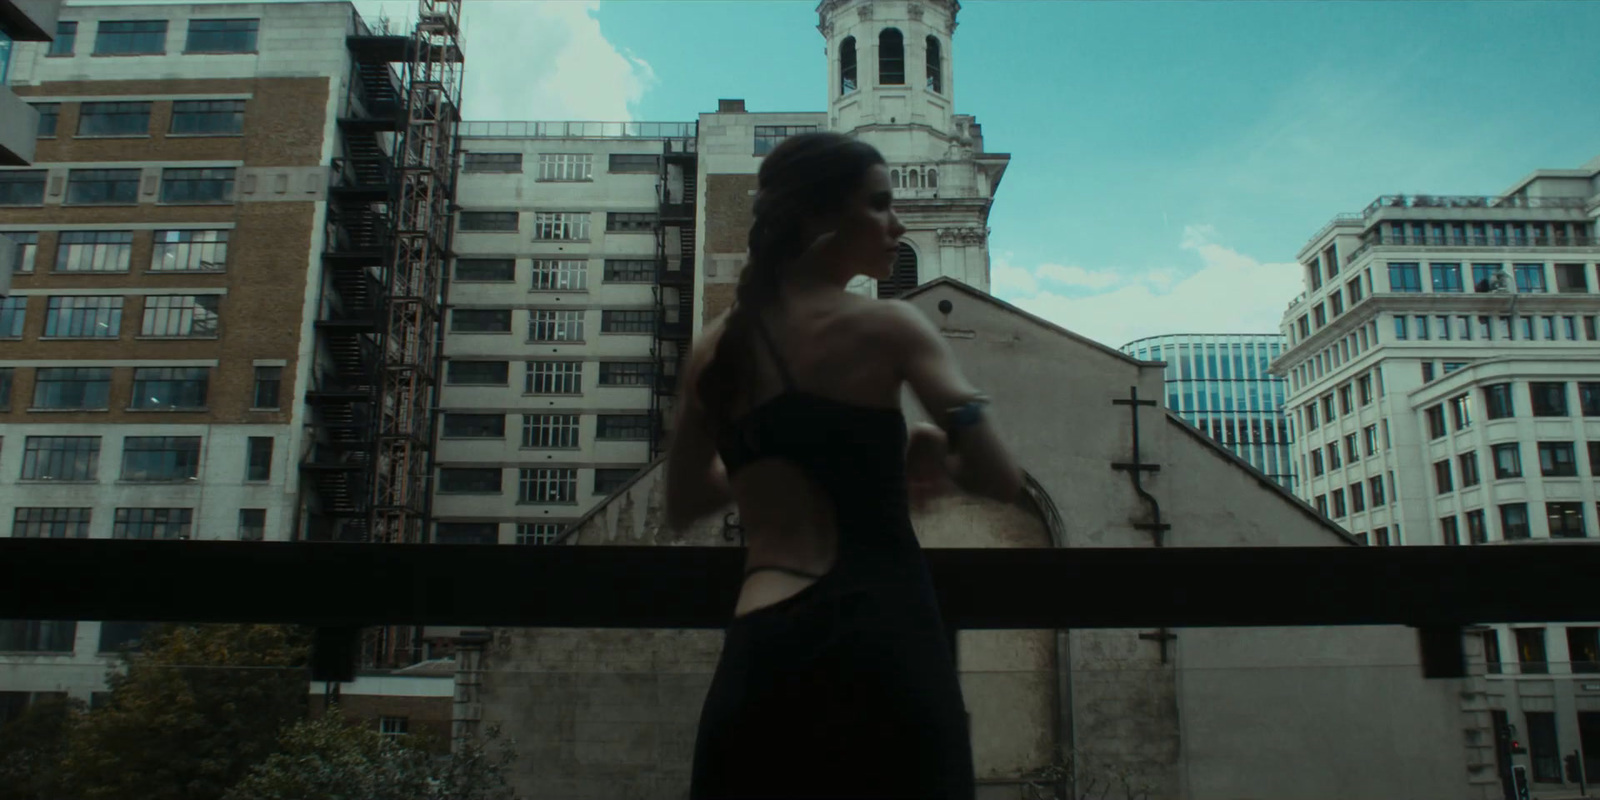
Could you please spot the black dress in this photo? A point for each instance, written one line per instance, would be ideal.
(848, 688)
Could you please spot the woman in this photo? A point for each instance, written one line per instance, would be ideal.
(837, 677)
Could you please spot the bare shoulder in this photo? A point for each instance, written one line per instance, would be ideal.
(902, 323)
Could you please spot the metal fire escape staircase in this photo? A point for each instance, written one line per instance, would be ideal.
(674, 288)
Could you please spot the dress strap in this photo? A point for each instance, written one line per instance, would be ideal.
(787, 570)
(772, 348)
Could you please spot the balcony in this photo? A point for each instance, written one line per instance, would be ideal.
(1435, 201)
(1453, 242)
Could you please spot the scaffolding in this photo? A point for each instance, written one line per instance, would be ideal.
(674, 285)
(379, 331)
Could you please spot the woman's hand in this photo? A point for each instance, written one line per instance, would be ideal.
(927, 467)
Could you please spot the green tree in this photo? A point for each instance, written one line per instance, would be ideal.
(331, 758)
(32, 747)
(190, 712)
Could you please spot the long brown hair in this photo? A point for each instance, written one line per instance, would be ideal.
(804, 176)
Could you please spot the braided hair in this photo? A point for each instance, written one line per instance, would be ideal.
(803, 176)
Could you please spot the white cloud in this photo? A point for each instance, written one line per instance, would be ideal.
(1229, 292)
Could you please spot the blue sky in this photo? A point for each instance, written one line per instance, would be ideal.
(1168, 158)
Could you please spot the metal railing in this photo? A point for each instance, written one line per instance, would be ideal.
(521, 129)
(1471, 201)
(1342, 218)
(1454, 241)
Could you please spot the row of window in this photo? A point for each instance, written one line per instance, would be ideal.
(489, 532)
(1546, 399)
(1359, 389)
(132, 118)
(562, 166)
(1351, 453)
(557, 225)
(153, 459)
(1556, 460)
(1353, 345)
(154, 388)
(891, 62)
(547, 431)
(552, 326)
(112, 251)
(1583, 650)
(1452, 234)
(1548, 327)
(555, 485)
(1563, 520)
(120, 187)
(556, 274)
(176, 316)
(149, 37)
(128, 523)
(1361, 496)
(547, 377)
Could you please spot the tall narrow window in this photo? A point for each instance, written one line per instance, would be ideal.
(268, 382)
(891, 58)
(935, 57)
(904, 276)
(259, 464)
(847, 65)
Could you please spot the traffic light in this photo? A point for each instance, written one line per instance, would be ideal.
(1519, 781)
(1574, 769)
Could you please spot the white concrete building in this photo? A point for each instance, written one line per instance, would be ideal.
(1444, 379)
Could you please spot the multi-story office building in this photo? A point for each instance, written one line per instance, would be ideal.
(20, 21)
(1221, 384)
(1444, 389)
(191, 258)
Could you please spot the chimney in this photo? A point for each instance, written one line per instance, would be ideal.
(730, 106)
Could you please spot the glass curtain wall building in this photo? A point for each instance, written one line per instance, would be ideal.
(1219, 383)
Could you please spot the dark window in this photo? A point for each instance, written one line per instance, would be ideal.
(550, 431)
(153, 523)
(258, 466)
(768, 136)
(634, 162)
(1549, 399)
(847, 65)
(1316, 463)
(500, 270)
(22, 188)
(1364, 388)
(1351, 452)
(538, 532)
(49, 115)
(1322, 504)
(59, 388)
(37, 636)
(935, 65)
(1583, 649)
(197, 186)
(6, 375)
(621, 270)
(1400, 327)
(1353, 289)
(607, 481)
(1404, 278)
(1304, 326)
(132, 37)
(1461, 411)
(1338, 504)
(1375, 489)
(475, 426)
(1589, 399)
(207, 116)
(630, 222)
(491, 162)
(1451, 534)
(61, 458)
(103, 186)
(1320, 315)
(1530, 278)
(252, 524)
(903, 278)
(643, 321)
(1491, 651)
(1507, 460)
(1514, 521)
(1334, 462)
(1358, 500)
(1380, 536)
(626, 373)
(1446, 277)
(222, 36)
(1345, 400)
(623, 426)
(480, 320)
(1441, 476)
(1557, 460)
(1530, 651)
(268, 381)
(1477, 528)
(478, 373)
(547, 486)
(66, 39)
(1469, 469)
(1571, 278)
(1436, 426)
(470, 480)
(464, 533)
(114, 119)
(498, 221)
(116, 636)
(51, 523)
(1497, 401)
(891, 57)
(1543, 748)
(1427, 366)
(1370, 436)
(1311, 415)
(160, 458)
(1565, 520)
(170, 388)
(1483, 277)
(1594, 459)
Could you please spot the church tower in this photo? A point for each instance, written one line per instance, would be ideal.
(891, 82)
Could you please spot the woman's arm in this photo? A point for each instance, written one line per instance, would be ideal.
(697, 481)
